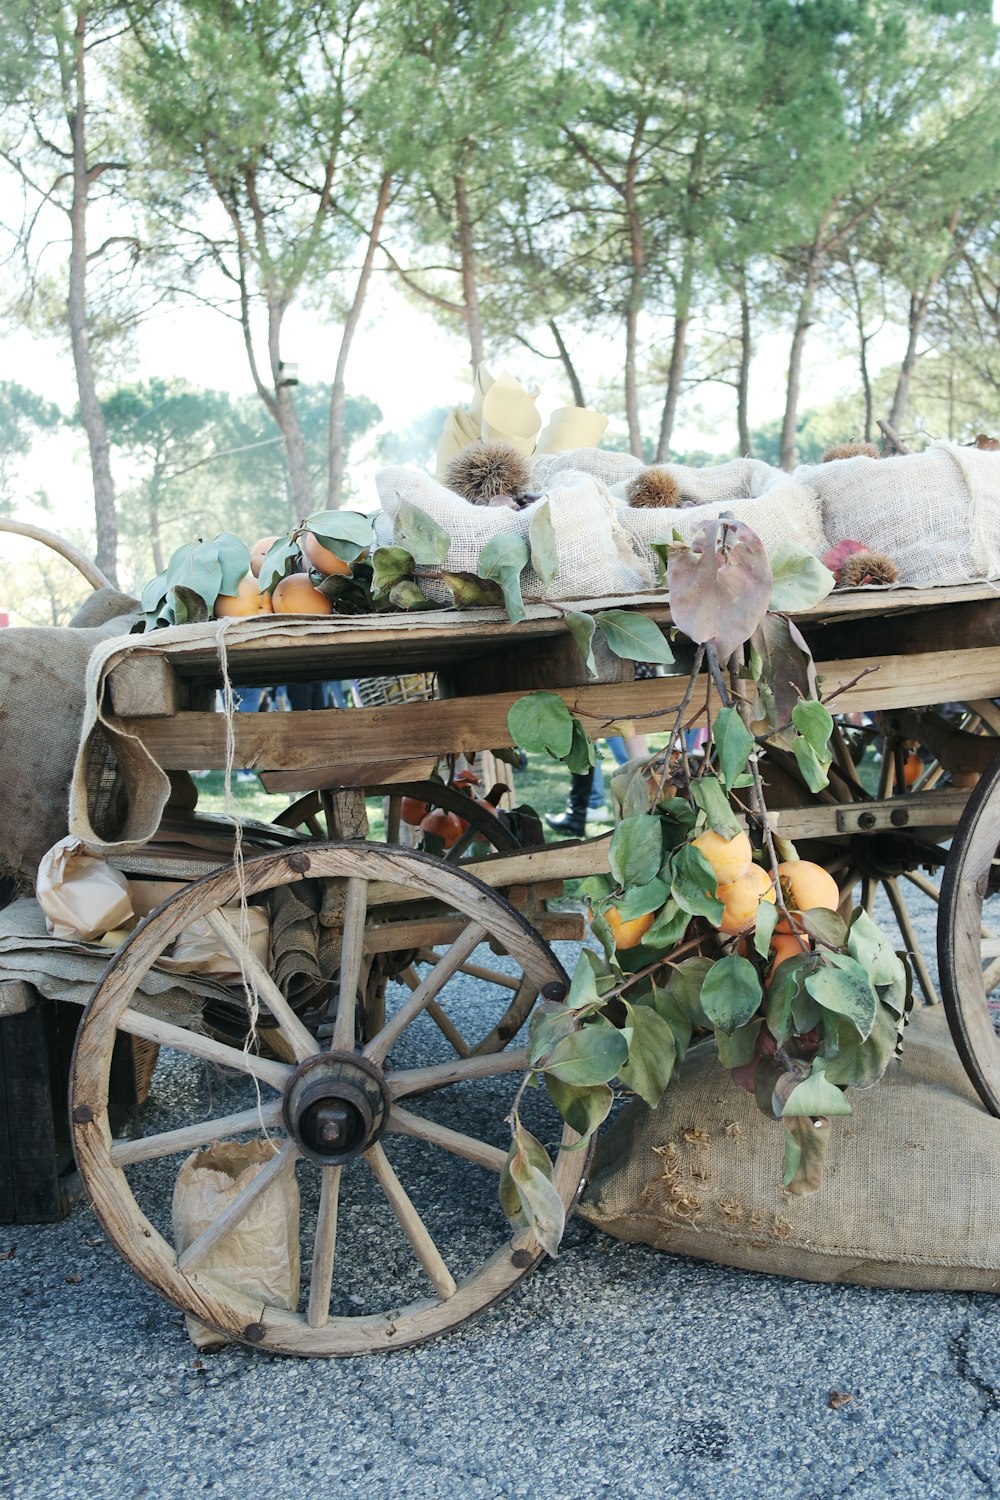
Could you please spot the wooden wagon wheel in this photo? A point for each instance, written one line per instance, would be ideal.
(969, 938)
(490, 831)
(346, 1112)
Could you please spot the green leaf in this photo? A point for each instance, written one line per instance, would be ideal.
(541, 723)
(581, 627)
(629, 791)
(815, 1095)
(469, 591)
(503, 559)
(707, 793)
(234, 560)
(547, 1029)
(812, 768)
(584, 1109)
(529, 1171)
(683, 990)
(693, 884)
(280, 559)
(678, 818)
(843, 986)
(799, 580)
(582, 754)
(636, 850)
(542, 542)
(736, 1049)
(639, 900)
(652, 1053)
(764, 925)
(806, 1144)
(733, 743)
(633, 636)
(390, 565)
(407, 594)
(420, 534)
(197, 566)
(869, 945)
(862, 1064)
(594, 1054)
(787, 986)
(785, 673)
(154, 593)
(346, 533)
(187, 606)
(826, 926)
(591, 978)
(815, 723)
(669, 927)
(731, 993)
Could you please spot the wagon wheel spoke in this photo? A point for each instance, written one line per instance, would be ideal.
(324, 1248)
(477, 971)
(352, 953)
(189, 1137)
(410, 1222)
(199, 1249)
(464, 1069)
(302, 1042)
(405, 1122)
(448, 1029)
(912, 941)
(166, 1034)
(378, 1048)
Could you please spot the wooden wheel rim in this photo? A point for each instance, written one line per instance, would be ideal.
(973, 850)
(232, 1313)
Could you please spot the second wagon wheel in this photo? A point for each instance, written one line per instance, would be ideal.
(969, 938)
(397, 1155)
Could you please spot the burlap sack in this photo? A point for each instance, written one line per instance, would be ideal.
(936, 514)
(260, 1255)
(42, 696)
(908, 1200)
(777, 506)
(595, 553)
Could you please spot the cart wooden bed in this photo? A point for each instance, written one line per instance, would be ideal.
(335, 1095)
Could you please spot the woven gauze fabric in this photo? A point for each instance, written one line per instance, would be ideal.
(936, 514)
(595, 553)
(908, 1199)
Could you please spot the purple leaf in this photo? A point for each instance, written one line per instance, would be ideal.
(720, 585)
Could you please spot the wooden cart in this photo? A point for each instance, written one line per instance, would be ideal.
(378, 1085)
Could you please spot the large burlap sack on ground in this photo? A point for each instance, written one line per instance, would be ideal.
(260, 1255)
(909, 1197)
(596, 554)
(42, 695)
(936, 514)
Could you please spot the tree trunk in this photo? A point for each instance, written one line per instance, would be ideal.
(814, 270)
(338, 395)
(567, 364)
(470, 293)
(919, 307)
(743, 375)
(284, 413)
(678, 354)
(91, 413)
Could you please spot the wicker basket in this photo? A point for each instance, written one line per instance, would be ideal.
(414, 687)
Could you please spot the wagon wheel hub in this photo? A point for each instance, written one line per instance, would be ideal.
(335, 1107)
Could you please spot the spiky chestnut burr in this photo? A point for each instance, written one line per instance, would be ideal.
(653, 488)
(856, 447)
(486, 469)
(866, 567)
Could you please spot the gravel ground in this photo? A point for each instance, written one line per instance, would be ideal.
(615, 1370)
